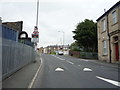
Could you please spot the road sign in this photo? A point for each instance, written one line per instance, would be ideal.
(35, 35)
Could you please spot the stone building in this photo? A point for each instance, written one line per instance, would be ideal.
(108, 26)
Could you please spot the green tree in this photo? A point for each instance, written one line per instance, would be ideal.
(86, 35)
(75, 47)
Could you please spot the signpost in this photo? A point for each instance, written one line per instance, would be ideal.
(35, 35)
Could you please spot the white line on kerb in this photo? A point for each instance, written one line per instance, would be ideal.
(116, 83)
(58, 57)
(35, 76)
(69, 62)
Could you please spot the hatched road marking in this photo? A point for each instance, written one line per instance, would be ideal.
(116, 83)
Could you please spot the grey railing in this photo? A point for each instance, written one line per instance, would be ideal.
(14, 56)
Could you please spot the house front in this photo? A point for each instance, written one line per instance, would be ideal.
(108, 26)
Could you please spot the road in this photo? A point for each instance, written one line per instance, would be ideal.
(69, 72)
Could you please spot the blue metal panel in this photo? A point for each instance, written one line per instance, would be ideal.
(3, 32)
(9, 33)
(15, 56)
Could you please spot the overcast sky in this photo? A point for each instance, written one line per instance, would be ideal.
(54, 16)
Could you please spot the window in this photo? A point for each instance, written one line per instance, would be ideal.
(103, 24)
(114, 15)
(104, 48)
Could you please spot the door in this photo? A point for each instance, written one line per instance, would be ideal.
(117, 51)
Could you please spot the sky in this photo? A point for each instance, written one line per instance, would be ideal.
(54, 16)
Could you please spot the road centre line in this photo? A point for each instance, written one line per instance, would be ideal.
(116, 83)
(69, 62)
(58, 57)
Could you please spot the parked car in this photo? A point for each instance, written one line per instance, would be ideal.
(59, 53)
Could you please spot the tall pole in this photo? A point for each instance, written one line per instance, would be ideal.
(63, 37)
(37, 13)
(36, 39)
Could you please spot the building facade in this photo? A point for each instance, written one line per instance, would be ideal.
(108, 26)
(52, 49)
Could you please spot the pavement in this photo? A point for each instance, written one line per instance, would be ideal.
(23, 77)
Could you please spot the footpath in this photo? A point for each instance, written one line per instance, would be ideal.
(23, 77)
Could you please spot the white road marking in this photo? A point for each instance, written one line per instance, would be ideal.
(83, 60)
(70, 62)
(35, 76)
(59, 69)
(116, 83)
(79, 65)
(58, 57)
(87, 69)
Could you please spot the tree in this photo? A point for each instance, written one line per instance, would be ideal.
(86, 35)
(75, 47)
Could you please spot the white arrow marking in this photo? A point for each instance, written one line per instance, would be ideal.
(110, 81)
(59, 69)
(87, 69)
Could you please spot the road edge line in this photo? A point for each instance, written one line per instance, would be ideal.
(36, 74)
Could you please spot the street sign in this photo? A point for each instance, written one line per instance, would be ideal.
(35, 35)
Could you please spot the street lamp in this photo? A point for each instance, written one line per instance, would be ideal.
(63, 36)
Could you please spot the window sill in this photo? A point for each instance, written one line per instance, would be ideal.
(105, 54)
(114, 24)
(103, 32)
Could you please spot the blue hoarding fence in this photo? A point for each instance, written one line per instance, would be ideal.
(10, 34)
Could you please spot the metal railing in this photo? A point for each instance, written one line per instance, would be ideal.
(14, 56)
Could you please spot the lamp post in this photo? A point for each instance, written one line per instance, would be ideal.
(63, 37)
(35, 34)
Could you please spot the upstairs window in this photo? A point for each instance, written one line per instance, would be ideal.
(104, 48)
(104, 25)
(114, 15)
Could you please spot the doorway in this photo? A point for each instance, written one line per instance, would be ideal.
(117, 51)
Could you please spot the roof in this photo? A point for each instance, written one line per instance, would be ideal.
(117, 4)
(14, 25)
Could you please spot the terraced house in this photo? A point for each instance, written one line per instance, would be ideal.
(108, 26)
